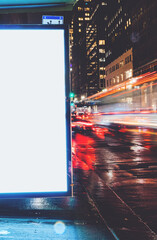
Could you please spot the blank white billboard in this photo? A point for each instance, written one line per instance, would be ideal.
(33, 143)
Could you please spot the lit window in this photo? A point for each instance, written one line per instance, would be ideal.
(102, 60)
(79, 30)
(80, 19)
(86, 18)
(117, 79)
(80, 9)
(101, 50)
(128, 74)
(101, 42)
(121, 63)
(102, 68)
(103, 3)
(121, 77)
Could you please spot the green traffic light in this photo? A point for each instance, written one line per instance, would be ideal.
(71, 95)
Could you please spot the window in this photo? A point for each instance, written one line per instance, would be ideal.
(102, 83)
(121, 63)
(128, 74)
(128, 59)
(101, 50)
(104, 4)
(80, 9)
(101, 42)
(117, 66)
(117, 79)
(87, 9)
(113, 68)
(102, 68)
(121, 77)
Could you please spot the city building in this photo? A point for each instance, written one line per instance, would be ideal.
(80, 17)
(89, 24)
(95, 48)
(144, 36)
(120, 70)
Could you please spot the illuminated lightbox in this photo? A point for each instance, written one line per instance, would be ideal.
(35, 148)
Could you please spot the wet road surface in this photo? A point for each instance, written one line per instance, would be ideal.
(122, 179)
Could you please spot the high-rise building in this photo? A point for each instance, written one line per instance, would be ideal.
(80, 17)
(113, 30)
(144, 36)
(95, 47)
(89, 23)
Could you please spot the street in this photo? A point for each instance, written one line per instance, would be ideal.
(122, 170)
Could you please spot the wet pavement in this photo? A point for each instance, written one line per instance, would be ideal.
(73, 218)
(123, 182)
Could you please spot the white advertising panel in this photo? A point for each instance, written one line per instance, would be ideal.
(33, 113)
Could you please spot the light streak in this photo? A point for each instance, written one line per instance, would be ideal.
(148, 77)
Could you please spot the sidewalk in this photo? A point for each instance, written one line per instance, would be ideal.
(52, 218)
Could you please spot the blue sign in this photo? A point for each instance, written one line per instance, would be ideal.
(52, 20)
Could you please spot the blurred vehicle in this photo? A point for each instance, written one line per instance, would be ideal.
(100, 131)
(81, 125)
(73, 115)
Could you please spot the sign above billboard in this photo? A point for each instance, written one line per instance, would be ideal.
(35, 141)
(54, 20)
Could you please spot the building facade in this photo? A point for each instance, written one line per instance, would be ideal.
(120, 70)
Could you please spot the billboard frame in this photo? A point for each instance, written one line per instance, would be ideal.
(19, 195)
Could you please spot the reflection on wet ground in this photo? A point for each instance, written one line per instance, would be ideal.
(125, 165)
(83, 152)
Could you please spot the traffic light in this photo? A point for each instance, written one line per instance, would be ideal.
(71, 95)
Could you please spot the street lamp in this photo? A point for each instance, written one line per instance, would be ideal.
(82, 97)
